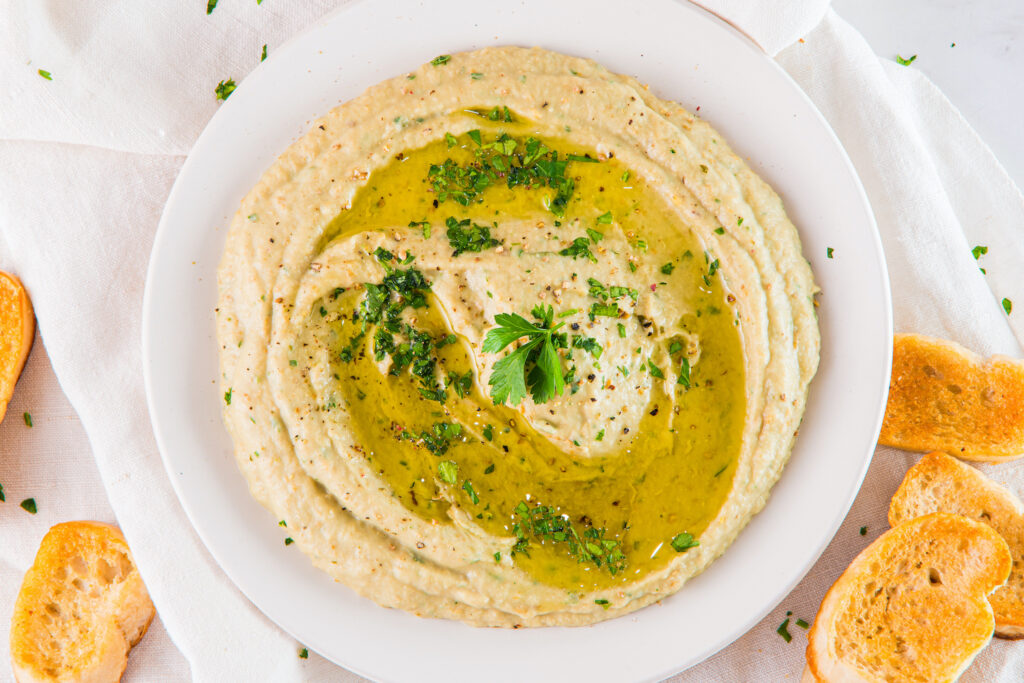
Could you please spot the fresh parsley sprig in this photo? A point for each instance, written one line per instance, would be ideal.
(536, 364)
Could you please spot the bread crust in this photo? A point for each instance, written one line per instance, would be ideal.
(912, 605)
(81, 608)
(944, 397)
(940, 483)
(17, 329)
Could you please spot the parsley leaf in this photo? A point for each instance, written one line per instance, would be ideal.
(683, 542)
(441, 59)
(979, 251)
(507, 382)
(606, 310)
(536, 364)
(545, 379)
(905, 62)
(45, 74)
(684, 373)
(448, 471)
(655, 370)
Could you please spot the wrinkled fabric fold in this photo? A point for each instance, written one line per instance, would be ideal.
(87, 160)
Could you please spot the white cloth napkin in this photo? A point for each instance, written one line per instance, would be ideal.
(87, 160)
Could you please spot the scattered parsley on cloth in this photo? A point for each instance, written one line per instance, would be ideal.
(225, 88)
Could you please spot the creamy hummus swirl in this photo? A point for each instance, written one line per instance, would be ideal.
(308, 240)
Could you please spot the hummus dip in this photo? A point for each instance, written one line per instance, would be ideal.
(510, 340)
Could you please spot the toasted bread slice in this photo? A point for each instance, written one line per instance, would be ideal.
(17, 326)
(81, 608)
(939, 483)
(944, 397)
(912, 606)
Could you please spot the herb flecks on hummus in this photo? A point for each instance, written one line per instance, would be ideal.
(522, 350)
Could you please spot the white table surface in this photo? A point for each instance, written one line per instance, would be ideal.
(974, 51)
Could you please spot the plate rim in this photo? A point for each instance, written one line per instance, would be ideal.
(163, 234)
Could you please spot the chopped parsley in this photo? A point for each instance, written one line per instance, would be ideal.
(3, 498)
(227, 396)
(580, 248)
(289, 540)
(546, 524)
(668, 268)
(1007, 305)
(441, 59)
(210, 5)
(488, 433)
(622, 330)
(424, 225)
(489, 469)
(655, 370)
(601, 601)
(863, 531)
(829, 251)
(783, 631)
(28, 418)
(600, 436)
(605, 218)
(460, 384)
(518, 163)
(476, 238)
(29, 505)
(979, 251)
(599, 291)
(684, 373)
(303, 653)
(683, 542)
(476, 75)
(588, 344)
(225, 88)
(448, 471)
(467, 486)
(802, 624)
(263, 57)
(905, 62)
(45, 74)
(383, 306)
(438, 439)
(604, 310)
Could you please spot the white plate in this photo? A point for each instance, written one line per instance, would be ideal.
(686, 55)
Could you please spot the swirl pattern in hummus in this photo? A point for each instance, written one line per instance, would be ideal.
(670, 256)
